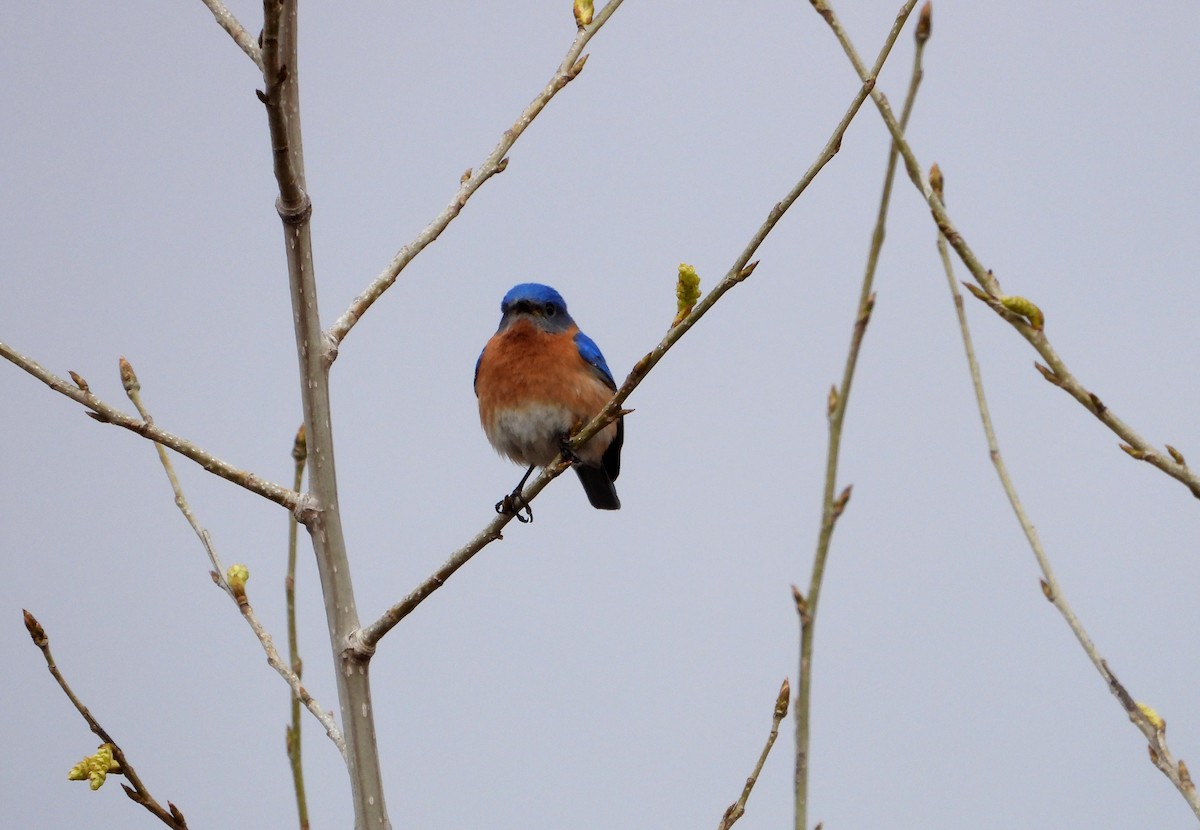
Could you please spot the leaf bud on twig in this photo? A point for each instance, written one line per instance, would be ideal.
(937, 181)
(128, 378)
(95, 768)
(1155, 719)
(583, 13)
(1026, 308)
(687, 292)
(781, 702)
(236, 576)
(925, 23)
(300, 445)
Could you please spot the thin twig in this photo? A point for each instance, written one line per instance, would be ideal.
(366, 639)
(103, 412)
(495, 162)
(133, 388)
(735, 810)
(1057, 372)
(236, 31)
(1152, 727)
(170, 816)
(839, 398)
(293, 743)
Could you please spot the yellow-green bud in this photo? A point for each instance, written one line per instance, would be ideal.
(687, 292)
(583, 12)
(236, 576)
(1026, 309)
(1155, 719)
(95, 768)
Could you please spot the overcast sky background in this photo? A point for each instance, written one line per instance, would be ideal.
(608, 669)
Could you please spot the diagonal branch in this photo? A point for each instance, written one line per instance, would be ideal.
(1152, 727)
(366, 639)
(103, 412)
(170, 815)
(236, 31)
(495, 162)
(1170, 463)
(133, 388)
(738, 808)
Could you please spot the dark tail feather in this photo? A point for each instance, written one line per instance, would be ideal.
(599, 487)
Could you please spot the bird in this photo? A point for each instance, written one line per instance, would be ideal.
(538, 380)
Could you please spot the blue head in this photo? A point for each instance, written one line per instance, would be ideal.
(537, 303)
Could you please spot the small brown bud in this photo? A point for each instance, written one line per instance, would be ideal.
(300, 445)
(1177, 455)
(839, 504)
(832, 401)
(977, 292)
(1047, 591)
(80, 382)
(128, 378)
(937, 182)
(1048, 373)
(1133, 453)
(925, 23)
(781, 702)
(35, 629)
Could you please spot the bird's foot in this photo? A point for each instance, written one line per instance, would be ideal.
(564, 446)
(515, 505)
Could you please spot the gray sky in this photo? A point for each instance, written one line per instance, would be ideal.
(597, 669)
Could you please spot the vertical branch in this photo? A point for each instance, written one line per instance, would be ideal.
(833, 504)
(294, 747)
(324, 518)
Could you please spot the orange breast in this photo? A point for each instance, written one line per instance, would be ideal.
(525, 368)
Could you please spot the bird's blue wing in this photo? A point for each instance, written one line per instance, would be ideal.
(590, 352)
(475, 383)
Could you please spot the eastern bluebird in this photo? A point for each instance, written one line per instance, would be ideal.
(538, 380)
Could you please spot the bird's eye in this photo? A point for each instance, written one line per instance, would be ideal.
(550, 310)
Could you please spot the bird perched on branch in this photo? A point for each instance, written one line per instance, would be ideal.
(538, 380)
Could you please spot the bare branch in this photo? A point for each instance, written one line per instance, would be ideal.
(839, 397)
(1028, 328)
(236, 31)
(1149, 723)
(170, 816)
(103, 412)
(282, 101)
(133, 388)
(366, 639)
(496, 161)
(738, 808)
(293, 743)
